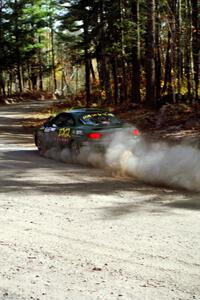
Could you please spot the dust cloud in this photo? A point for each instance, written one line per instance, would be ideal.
(157, 163)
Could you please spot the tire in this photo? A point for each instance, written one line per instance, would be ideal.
(74, 150)
(37, 143)
(41, 148)
(36, 139)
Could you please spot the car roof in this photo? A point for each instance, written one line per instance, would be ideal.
(85, 110)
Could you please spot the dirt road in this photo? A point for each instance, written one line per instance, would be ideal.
(74, 232)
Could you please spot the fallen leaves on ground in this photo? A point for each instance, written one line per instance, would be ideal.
(173, 121)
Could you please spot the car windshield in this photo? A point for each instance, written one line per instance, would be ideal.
(100, 118)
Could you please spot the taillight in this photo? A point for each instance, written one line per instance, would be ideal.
(94, 135)
(136, 132)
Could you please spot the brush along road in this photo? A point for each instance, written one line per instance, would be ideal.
(70, 231)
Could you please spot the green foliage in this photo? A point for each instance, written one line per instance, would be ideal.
(38, 36)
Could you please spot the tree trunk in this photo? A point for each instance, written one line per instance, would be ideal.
(20, 86)
(150, 55)
(124, 81)
(179, 47)
(33, 79)
(10, 83)
(2, 83)
(157, 53)
(106, 80)
(115, 80)
(195, 45)
(167, 78)
(53, 55)
(173, 49)
(189, 66)
(92, 71)
(40, 67)
(18, 56)
(136, 97)
(87, 63)
(104, 70)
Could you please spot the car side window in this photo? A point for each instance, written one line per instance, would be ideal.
(64, 120)
(70, 121)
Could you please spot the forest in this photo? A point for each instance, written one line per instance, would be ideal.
(114, 52)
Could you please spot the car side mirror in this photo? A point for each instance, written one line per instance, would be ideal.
(46, 124)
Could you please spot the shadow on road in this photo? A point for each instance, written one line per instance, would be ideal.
(28, 172)
(157, 205)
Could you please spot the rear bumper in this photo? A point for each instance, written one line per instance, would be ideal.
(94, 146)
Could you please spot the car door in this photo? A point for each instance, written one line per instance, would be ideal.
(50, 133)
(63, 125)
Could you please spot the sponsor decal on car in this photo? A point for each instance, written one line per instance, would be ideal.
(78, 132)
(96, 115)
(64, 132)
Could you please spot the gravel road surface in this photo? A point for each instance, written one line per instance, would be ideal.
(74, 232)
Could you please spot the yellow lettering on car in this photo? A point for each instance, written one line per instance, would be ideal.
(64, 132)
(97, 115)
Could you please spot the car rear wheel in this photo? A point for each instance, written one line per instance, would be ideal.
(75, 150)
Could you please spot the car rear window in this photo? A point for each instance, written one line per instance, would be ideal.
(99, 118)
